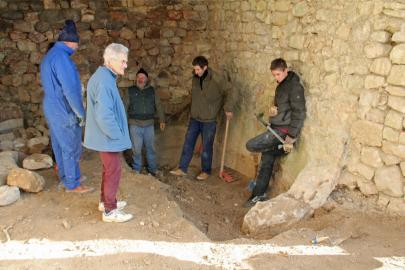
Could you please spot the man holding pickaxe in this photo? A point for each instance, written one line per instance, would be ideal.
(286, 120)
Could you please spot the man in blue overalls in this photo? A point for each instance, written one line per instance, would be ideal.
(63, 106)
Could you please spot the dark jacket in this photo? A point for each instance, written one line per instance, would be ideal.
(290, 102)
(143, 104)
(207, 101)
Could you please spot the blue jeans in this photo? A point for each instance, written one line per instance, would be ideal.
(207, 131)
(267, 144)
(67, 147)
(139, 137)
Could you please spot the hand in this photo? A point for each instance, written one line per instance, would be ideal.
(288, 145)
(229, 115)
(162, 126)
(273, 111)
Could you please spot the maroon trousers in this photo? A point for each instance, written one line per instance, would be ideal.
(110, 179)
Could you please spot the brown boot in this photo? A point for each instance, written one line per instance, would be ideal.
(178, 172)
(203, 176)
(80, 190)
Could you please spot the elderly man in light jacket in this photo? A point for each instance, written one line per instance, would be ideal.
(107, 128)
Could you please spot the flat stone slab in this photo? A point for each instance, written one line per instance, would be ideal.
(9, 125)
(37, 162)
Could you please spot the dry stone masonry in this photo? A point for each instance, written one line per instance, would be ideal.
(350, 55)
(158, 33)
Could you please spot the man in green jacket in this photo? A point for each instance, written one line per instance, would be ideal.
(143, 104)
(209, 93)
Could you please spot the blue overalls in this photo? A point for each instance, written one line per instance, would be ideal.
(63, 107)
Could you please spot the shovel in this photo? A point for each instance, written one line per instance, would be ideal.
(226, 176)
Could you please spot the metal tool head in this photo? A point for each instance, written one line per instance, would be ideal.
(259, 116)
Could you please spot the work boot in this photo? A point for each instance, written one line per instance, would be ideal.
(80, 190)
(61, 185)
(178, 172)
(116, 216)
(203, 176)
(120, 205)
(254, 199)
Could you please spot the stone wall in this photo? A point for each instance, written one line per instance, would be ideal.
(159, 34)
(349, 53)
(351, 57)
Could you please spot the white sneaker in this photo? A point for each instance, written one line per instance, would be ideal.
(116, 216)
(120, 205)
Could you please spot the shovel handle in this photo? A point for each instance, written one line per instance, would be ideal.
(224, 148)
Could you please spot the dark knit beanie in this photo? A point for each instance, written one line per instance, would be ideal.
(141, 70)
(69, 32)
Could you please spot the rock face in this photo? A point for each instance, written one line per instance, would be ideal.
(37, 162)
(9, 195)
(26, 180)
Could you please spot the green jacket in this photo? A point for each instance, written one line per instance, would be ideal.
(143, 104)
(208, 101)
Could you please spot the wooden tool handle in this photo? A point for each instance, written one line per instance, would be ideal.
(224, 147)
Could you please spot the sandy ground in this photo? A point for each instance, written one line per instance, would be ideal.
(184, 224)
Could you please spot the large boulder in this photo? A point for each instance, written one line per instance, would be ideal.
(26, 180)
(37, 162)
(275, 215)
(310, 191)
(8, 161)
(315, 183)
(8, 195)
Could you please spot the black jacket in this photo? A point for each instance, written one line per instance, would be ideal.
(290, 102)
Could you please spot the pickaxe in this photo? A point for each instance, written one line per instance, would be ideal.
(267, 125)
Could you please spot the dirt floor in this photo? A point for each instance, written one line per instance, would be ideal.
(181, 223)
